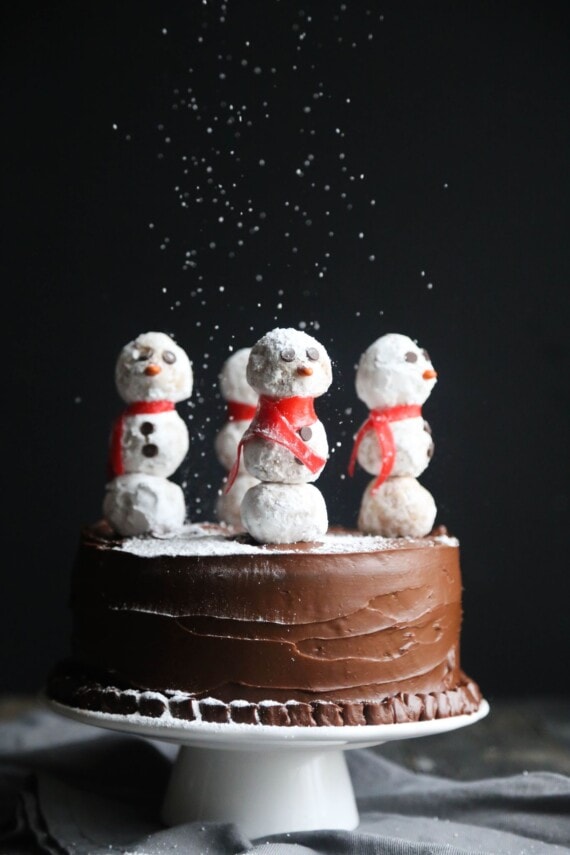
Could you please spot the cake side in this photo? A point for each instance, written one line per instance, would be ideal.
(285, 631)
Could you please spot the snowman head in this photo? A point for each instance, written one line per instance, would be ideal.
(286, 363)
(394, 371)
(233, 380)
(153, 368)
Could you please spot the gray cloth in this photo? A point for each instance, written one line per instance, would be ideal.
(70, 788)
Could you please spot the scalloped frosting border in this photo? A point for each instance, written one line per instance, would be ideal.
(78, 690)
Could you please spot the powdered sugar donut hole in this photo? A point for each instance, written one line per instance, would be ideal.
(233, 379)
(284, 513)
(414, 449)
(228, 505)
(270, 461)
(154, 444)
(138, 504)
(287, 362)
(400, 507)
(394, 371)
(226, 443)
(153, 368)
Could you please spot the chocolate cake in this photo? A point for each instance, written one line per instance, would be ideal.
(353, 630)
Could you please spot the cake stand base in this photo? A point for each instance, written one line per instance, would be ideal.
(267, 780)
(264, 792)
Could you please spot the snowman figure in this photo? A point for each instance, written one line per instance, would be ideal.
(241, 402)
(285, 447)
(394, 378)
(149, 440)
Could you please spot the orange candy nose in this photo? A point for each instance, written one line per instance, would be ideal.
(305, 370)
(429, 374)
(152, 369)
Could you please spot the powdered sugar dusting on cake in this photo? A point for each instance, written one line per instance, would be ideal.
(446, 540)
(202, 540)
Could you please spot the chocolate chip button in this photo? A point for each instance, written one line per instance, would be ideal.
(306, 433)
(150, 450)
(146, 428)
(299, 462)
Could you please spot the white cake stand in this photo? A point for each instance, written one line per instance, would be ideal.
(268, 780)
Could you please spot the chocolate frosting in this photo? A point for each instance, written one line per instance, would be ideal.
(305, 625)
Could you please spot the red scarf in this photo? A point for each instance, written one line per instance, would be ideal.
(116, 464)
(278, 420)
(240, 412)
(379, 421)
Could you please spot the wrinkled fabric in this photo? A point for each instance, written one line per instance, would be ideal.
(74, 789)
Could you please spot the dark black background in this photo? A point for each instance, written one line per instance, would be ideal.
(441, 132)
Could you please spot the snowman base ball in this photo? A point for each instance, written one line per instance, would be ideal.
(400, 507)
(228, 505)
(284, 513)
(138, 504)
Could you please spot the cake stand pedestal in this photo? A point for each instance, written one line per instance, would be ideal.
(268, 780)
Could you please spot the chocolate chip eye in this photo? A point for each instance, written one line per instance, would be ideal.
(169, 357)
(288, 354)
(411, 356)
(145, 354)
(313, 353)
(426, 355)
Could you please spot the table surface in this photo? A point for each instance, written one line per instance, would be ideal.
(518, 735)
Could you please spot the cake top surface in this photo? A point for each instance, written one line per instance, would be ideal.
(210, 540)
